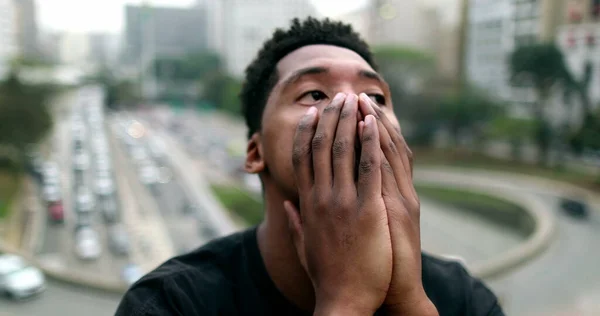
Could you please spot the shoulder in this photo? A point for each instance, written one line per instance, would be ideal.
(193, 283)
(454, 291)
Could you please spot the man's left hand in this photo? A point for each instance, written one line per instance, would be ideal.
(406, 295)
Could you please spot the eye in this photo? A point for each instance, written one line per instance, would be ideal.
(378, 98)
(312, 97)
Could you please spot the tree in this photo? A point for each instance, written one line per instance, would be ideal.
(119, 93)
(24, 115)
(467, 112)
(404, 68)
(540, 66)
(222, 91)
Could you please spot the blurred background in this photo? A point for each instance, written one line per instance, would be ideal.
(122, 142)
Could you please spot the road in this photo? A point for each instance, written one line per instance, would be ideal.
(58, 243)
(564, 279)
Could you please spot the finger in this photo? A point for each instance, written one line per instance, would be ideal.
(323, 140)
(295, 225)
(301, 154)
(394, 148)
(343, 146)
(369, 169)
(388, 180)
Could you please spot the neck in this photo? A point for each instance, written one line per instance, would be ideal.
(279, 254)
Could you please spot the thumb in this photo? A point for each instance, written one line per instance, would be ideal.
(295, 226)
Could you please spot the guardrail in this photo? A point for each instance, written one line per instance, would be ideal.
(544, 225)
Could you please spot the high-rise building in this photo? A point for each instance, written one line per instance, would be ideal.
(8, 36)
(165, 31)
(238, 28)
(489, 43)
(27, 28)
(579, 40)
(403, 22)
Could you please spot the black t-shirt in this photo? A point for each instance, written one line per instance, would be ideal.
(228, 277)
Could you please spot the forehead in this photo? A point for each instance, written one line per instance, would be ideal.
(319, 55)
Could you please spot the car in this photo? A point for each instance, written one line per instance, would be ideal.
(103, 163)
(51, 193)
(56, 211)
(19, 280)
(84, 201)
(104, 186)
(81, 161)
(139, 154)
(87, 243)
(118, 240)
(574, 207)
(109, 209)
(131, 273)
(50, 170)
(148, 174)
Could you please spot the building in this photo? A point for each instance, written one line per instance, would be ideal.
(8, 36)
(489, 43)
(74, 49)
(408, 23)
(103, 48)
(238, 28)
(579, 40)
(27, 29)
(163, 31)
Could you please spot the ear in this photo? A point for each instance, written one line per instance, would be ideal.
(255, 162)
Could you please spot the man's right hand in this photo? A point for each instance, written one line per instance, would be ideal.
(341, 232)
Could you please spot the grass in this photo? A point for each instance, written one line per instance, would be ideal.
(460, 158)
(8, 189)
(239, 202)
(490, 207)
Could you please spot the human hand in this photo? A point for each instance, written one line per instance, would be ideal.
(405, 295)
(341, 232)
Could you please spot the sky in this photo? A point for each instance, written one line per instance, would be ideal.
(107, 15)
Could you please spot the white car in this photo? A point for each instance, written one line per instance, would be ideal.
(104, 186)
(87, 244)
(149, 174)
(51, 193)
(84, 201)
(131, 273)
(139, 154)
(103, 163)
(50, 170)
(81, 161)
(18, 280)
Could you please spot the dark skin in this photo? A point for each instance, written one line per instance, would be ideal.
(341, 237)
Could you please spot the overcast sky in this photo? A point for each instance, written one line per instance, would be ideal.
(107, 15)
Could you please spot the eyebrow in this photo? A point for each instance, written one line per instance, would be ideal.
(321, 70)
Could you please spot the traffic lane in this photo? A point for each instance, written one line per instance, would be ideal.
(182, 226)
(61, 299)
(446, 230)
(564, 277)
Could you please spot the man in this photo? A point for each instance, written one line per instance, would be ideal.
(341, 231)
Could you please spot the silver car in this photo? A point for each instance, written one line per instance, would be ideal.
(18, 280)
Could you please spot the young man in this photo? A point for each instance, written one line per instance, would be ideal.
(341, 232)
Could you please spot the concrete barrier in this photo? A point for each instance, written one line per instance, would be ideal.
(544, 225)
(67, 276)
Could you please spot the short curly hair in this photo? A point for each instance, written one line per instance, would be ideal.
(261, 74)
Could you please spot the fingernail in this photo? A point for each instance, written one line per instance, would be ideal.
(364, 97)
(311, 111)
(339, 97)
(369, 119)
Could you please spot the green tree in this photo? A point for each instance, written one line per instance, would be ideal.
(119, 93)
(222, 91)
(467, 112)
(404, 68)
(24, 115)
(540, 66)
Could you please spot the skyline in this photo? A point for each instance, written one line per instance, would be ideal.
(106, 16)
